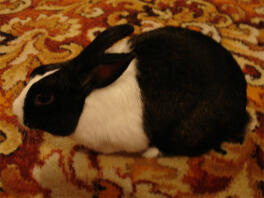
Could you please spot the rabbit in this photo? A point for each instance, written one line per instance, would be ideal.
(168, 91)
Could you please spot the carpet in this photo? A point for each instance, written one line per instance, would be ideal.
(38, 165)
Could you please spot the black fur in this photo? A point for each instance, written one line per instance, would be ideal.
(66, 107)
(193, 91)
(45, 68)
(68, 87)
(105, 40)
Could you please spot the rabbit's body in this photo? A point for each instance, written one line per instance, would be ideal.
(170, 88)
(193, 91)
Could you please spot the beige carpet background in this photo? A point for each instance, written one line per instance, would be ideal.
(36, 164)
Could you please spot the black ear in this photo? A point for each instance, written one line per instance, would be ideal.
(106, 39)
(45, 68)
(108, 70)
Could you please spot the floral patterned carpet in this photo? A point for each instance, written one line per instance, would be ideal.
(36, 164)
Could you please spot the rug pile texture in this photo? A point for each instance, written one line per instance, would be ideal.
(38, 165)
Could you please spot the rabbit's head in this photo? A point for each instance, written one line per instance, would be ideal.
(54, 97)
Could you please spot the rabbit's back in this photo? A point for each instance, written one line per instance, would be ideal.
(193, 91)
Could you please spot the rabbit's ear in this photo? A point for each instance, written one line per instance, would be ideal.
(105, 40)
(41, 70)
(107, 71)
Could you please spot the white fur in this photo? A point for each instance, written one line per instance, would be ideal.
(111, 120)
(18, 105)
(121, 46)
(151, 152)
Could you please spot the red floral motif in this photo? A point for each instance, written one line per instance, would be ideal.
(36, 164)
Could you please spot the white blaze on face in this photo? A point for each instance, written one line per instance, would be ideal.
(18, 105)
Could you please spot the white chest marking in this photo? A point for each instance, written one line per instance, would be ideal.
(111, 120)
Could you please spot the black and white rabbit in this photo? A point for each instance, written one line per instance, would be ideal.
(171, 90)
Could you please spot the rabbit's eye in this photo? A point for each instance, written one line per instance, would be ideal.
(44, 99)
